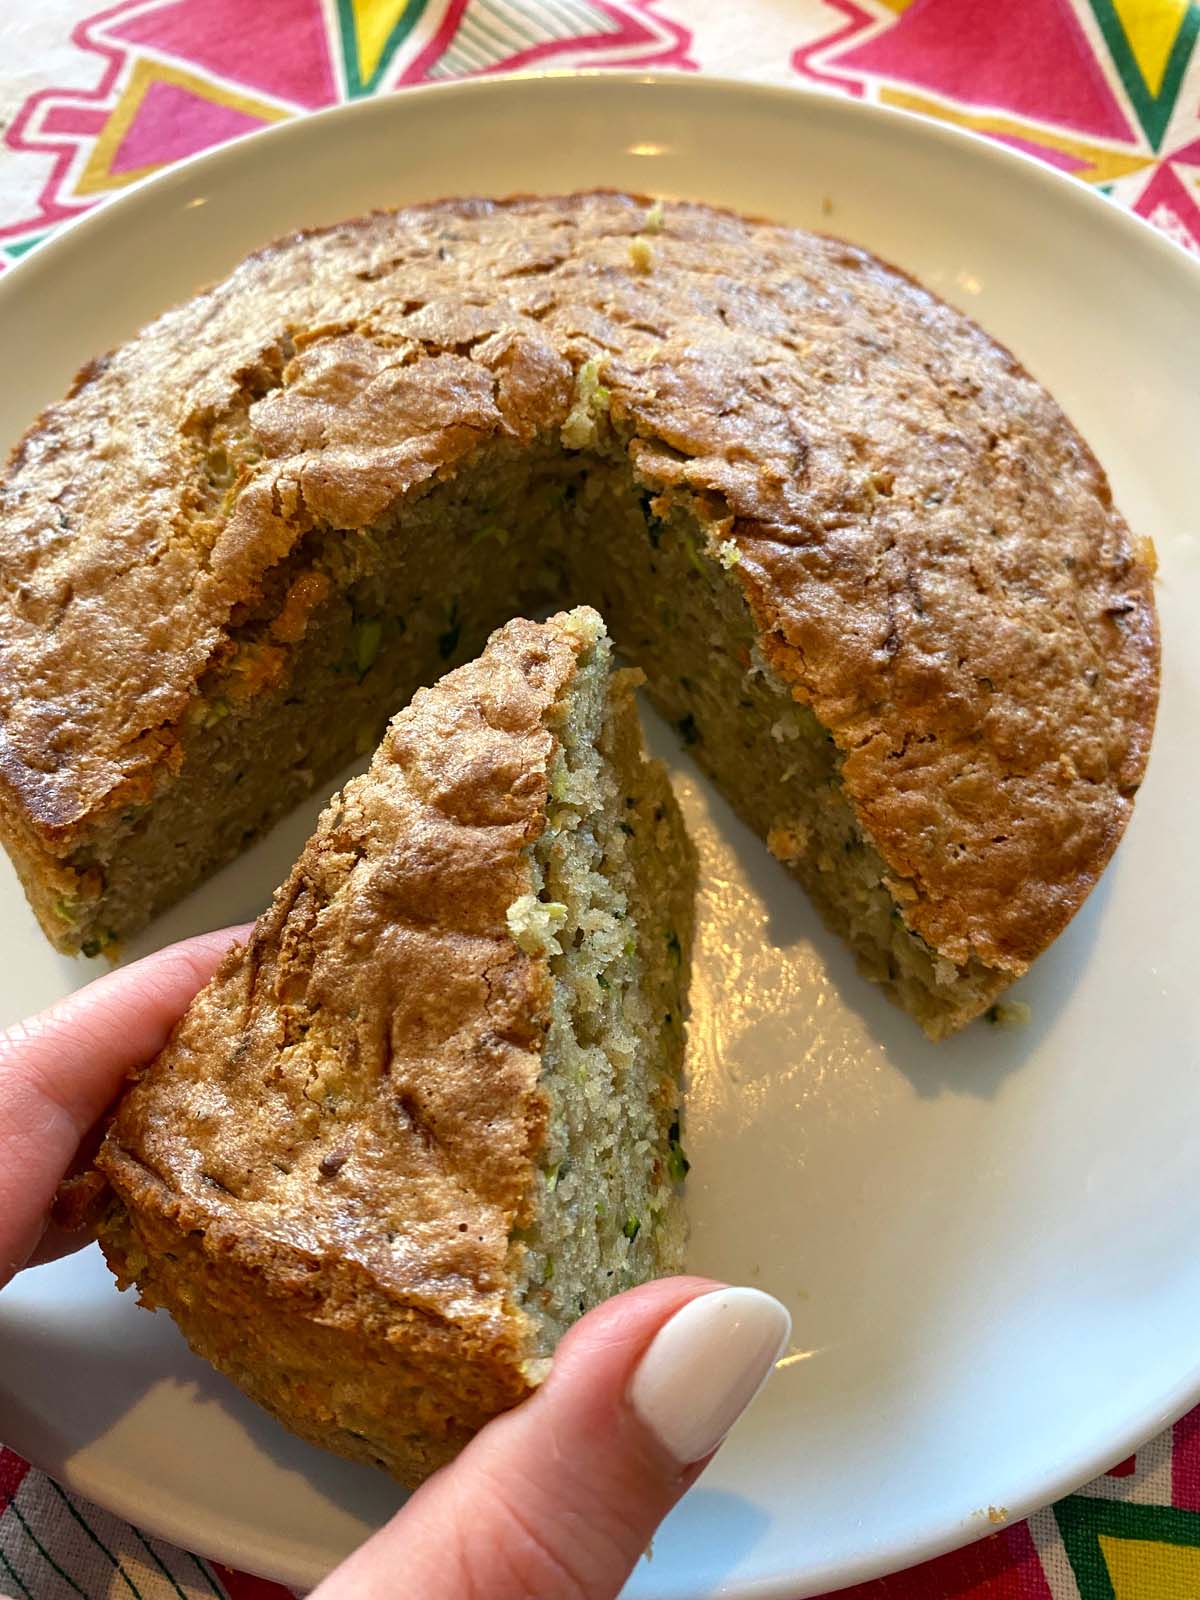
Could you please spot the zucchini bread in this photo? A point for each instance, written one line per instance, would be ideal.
(867, 565)
(428, 1115)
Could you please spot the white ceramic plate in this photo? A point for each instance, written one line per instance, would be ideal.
(990, 1247)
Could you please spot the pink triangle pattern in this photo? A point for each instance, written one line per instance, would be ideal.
(1030, 60)
(1035, 76)
(1166, 203)
(274, 47)
(172, 123)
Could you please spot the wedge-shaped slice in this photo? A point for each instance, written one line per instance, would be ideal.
(429, 1114)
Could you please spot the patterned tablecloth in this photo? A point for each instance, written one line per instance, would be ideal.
(1109, 90)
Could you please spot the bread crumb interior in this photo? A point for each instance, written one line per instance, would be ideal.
(514, 531)
(613, 880)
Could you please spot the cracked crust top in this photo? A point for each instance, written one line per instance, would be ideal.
(929, 548)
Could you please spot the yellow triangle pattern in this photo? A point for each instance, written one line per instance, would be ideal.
(374, 21)
(1100, 165)
(1140, 1569)
(1151, 26)
(96, 178)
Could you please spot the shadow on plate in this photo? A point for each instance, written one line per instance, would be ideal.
(711, 1531)
(124, 1359)
(975, 1061)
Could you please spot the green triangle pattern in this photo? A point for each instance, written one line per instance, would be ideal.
(20, 246)
(356, 85)
(1082, 1519)
(1153, 111)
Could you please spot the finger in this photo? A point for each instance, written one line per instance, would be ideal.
(60, 1070)
(54, 1242)
(560, 1497)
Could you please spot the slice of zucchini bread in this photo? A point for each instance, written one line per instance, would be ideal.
(866, 563)
(428, 1115)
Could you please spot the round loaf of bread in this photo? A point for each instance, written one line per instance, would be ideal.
(867, 564)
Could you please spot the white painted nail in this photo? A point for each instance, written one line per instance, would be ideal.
(705, 1366)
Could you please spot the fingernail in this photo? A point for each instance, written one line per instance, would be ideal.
(705, 1366)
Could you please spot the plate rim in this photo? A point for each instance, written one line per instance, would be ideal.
(1062, 184)
(869, 1567)
(952, 1532)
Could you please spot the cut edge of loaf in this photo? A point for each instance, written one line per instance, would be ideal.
(610, 908)
(671, 578)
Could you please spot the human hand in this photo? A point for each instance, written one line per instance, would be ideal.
(61, 1070)
(555, 1500)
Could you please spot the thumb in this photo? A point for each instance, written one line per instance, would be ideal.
(558, 1498)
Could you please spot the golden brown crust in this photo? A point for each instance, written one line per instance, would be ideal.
(375, 1380)
(320, 1175)
(930, 549)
